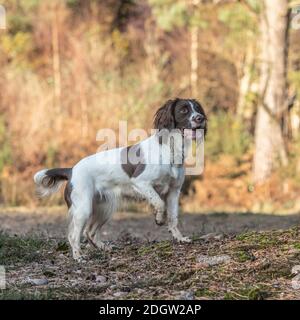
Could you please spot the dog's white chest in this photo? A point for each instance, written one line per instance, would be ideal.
(175, 172)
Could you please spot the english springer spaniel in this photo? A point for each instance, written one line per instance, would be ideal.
(95, 183)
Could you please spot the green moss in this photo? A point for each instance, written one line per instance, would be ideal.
(262, 240)
(204, 292)
(62, 246)
(161, 249)
(256, 294)
(12, 294)
(297, 246)
(143, 250)
(249, 293)
(244, 255)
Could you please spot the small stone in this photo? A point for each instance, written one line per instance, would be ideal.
(120, 294)
(213, 260)
(208, 236)
(38, 282)
(140, 291)
(100, 279)
(212, 236)
(187, 295)
(219, 236)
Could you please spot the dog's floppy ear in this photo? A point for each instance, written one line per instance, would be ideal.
(164, 116)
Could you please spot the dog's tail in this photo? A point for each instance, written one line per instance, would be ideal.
(49, 181)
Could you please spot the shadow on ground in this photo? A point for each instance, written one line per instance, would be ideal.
(53, 223)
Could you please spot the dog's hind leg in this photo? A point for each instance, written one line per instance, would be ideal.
(80, 213)
(102, 212)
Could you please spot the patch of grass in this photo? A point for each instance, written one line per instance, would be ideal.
(263, 240)
(257, 294)
(13, 294)
(143, 250)
(204, 292)
(62, 246)
(62, 292)
(162, 249)
(249, 293)
(275, 270)
(297, 246)
(181, 276)
(15, 249)
(49, 273)
(244, 255)
(160, 269)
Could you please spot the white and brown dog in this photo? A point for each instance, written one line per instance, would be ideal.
(97, 182)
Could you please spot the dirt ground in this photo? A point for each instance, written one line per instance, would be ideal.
(52, 222)
(255, 256)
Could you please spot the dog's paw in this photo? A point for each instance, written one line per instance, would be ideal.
(108, 246)
(104, 246)
(160, 218)
(184, 240)
(160, 222)
(79, 258)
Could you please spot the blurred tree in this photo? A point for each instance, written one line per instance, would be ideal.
(124, 11)
(194, 52)
(170, 14)
(240, 18)
(55, 28)
(269, 142)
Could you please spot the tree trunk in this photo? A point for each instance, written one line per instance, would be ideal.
(56, 67)
(2, 18)
(194, 53)
(269, 142)
(245, 83)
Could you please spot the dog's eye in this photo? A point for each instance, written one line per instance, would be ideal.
(184, 110)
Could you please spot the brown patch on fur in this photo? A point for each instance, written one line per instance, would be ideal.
(133, 170)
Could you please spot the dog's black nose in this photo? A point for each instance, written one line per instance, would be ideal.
(198, 118)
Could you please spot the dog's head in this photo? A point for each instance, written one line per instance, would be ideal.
(181, 114)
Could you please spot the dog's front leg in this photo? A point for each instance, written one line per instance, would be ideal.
(172, 211)
(149, 193)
